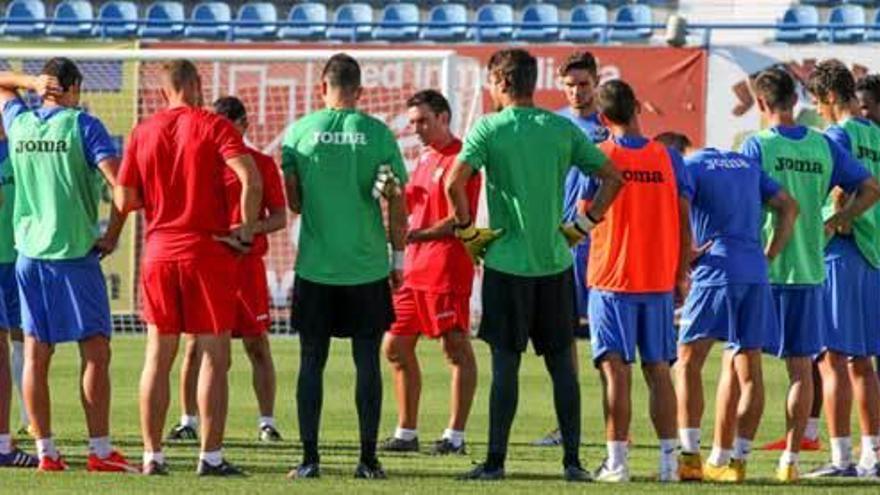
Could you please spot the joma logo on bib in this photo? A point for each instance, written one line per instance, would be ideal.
(356, 138)
(647, 176)
(795, 165)
(870, 154)
(41, 146)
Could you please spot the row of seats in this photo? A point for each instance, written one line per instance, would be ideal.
(798, 25)
(834, 3)
(311, 20)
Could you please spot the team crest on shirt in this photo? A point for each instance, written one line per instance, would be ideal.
(600, 134)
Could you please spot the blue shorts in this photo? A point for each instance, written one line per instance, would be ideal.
(10, 311)
(852, 296)
(581, 255)
(800, 311)
(738, 314)
(620, 323)
(63, 301)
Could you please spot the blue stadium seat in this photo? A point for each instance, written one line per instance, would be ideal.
(302, 21)
(73, 19)
(351, 21)
(494, 22)
(873, 33)
(585, 15)
(22, 18)
(395, 17)
(210, 20)
(163, 20)
(632, 14)
(256, 20)
(821, 3)
(540, 22)
(790, 28)
(608, 4)
(119, 20)
(866, 3)
(440, 23)
(846, 15)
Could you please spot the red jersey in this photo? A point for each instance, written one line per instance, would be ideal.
(273, 196)
(440, 266)
(176, 159)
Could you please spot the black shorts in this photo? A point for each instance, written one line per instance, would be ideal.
(321, 310)
(516, 309)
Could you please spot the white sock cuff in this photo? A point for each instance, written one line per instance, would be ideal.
(405, 434)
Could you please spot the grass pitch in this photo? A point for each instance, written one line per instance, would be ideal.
(530, 469)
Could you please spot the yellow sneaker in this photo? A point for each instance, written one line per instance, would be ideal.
(690, 467)
(739, 468)
(720, 474)
(787, 474)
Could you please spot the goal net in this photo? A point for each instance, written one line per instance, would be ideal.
(278, 86)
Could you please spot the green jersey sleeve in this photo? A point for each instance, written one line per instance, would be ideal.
(585, 155)
(288, 150)
(475, 151)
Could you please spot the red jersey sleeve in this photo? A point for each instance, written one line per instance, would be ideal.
(473, 192)
(273, 189)
(228, 140)
(129, 172)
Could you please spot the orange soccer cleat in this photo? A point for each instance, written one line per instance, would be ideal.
(807, 445)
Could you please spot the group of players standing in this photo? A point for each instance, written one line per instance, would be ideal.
(775, 249)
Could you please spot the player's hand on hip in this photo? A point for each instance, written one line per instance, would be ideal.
(396, 279)
(477, 241)
(386, 185)
(698, 251)
(577, 231)
(682, 289)
(105, 246)
(233, 242)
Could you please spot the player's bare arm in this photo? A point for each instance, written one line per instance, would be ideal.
(685, 250)
(787, 211)
(251, 195)
(456, 191)
(294, 193)
(107, 243)
(397, 225)
(276, 221)
(43, 85)
(611, 183)
(864, 197)
(439, 230)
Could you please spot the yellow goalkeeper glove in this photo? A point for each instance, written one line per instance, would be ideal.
(576, 231)
(476, 241)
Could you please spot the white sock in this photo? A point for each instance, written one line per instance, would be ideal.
(17, 369)
(267, 421)
(812, 431)
(5, 443)
(841, 451)
(191, 421)
(100, 446)
(788, 458)
(719, 456)
(404, 434)
(741, 449)
(455, 437)
(46, 448)
(214, 458)
(617, 454)
(690, 440)
(157, 457)
(870, 445)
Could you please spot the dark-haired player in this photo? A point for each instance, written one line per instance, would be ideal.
(868, 94)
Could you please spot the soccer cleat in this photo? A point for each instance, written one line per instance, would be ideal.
(607, 475)
(831, 471)
(113, 463)
(551, 439)
(182, 433)
(305, 471)
(223, 469)
(370, 471)
(18, 458)
(690, 467)
(269, 434)
(807, 445)
(872, 472)
(49, 464)
(154, 468)
(787, 474)
(481, 472)
(668, 473)
(734, 472)
(445, 447)
(394, 444)
(576, 474)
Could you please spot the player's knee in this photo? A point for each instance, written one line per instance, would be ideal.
(257, 350)
(457, 349)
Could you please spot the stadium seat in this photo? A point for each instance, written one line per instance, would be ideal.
(866, 3)
(163, 20)
(608, 4)
(540, 22)
(873, 33)
(351, 21)
(582, 16)
(399, 22)
(210, 20)
(442, 20)
(632, 14)
(118, 20)
(72, 19)
(305, 21)
(790, 28)
(257, 20)
(24, 18)
(821, 3)
(494, 22)
(846, 15)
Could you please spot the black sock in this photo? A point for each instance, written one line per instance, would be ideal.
(503, 399)
(495, 460)
(368, 392)
(567, 399)
(310, 452)
(310, 393)
(368, 453)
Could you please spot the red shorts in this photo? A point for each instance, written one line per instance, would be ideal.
(253, 298)
(432, 315)
(190, 296)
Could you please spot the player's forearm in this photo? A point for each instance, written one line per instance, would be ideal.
(610, 186)
(126, 199)
(865, 197)
(456, 192)
(397, 222)
(276, 221)
(685, 249)
(439, 230)
(15, 80)
(294, 195)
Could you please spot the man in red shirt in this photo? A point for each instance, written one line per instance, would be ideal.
(438, 276)
(253, 320)
(174, 169)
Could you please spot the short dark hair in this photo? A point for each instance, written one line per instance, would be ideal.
(342, 71)
(518, 68)
(616, 100)
(230, 107)
(832, 76)
(580, 60)
(870, 84)
(63, 69)
(181, 72)
(433, 99)
(777, 88)
(675, 140)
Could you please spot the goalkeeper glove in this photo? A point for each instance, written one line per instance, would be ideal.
(575, 232)
(386, 185)
(476, 241)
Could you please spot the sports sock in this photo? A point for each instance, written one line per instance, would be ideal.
(841, 451)
(405, 434)
(46, 448)
(503, 400)
(567, 400)
(157, 457)
(788, 458)
(719, 456)
(17, 369)
(690, 440)
(5, 443)
(310, 393)
(741, 449)
(870, 444)
(455, 437)
(812, 430)
(213, 458)
(190, 421)
(100, 446)
(617, 454)
(368, 392)
(267, 421)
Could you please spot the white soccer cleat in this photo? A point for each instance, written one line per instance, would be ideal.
(668, 473)
(605, 474)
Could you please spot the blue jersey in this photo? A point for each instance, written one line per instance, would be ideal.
(729, 191)
(575, 181)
